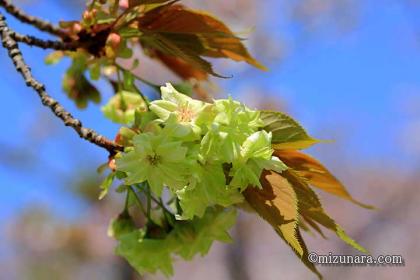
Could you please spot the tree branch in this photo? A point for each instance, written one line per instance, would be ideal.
(44, 44)
(38, 23)
(15, 54)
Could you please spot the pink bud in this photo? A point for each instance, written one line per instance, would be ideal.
(76, 28)
(114, 40)
(124, 4)
(87, 15)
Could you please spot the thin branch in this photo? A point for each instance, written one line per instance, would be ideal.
(15, 54)
(37, 22)
(44, 44)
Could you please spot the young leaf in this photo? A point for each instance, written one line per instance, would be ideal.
(106, 184)
(315, 174)
(171, 45)
(54, 57)
(181, 67)
(311, 209)
(276, 203)
(287, 133)
(144, 254)
(305, 255)
(198, 235)
(76, 85)
(121, 225)
(133, 3)
(80, 89)
(196, 33)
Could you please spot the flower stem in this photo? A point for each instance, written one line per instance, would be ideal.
(149, 200)
(138, 201)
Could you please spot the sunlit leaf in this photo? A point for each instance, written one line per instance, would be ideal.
(311, 209)
(287, 133)
(276, 203)
(106, 184)
(54, 57)
(304, 257)
(315, 173)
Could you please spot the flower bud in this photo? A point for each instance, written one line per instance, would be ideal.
(124, 4)
(114, 40)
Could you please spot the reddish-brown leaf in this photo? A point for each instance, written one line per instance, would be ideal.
(181, 67)
(195, 32)
(315, 173)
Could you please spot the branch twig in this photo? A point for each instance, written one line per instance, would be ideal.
(38, 23)
(44, 44)
(15, 54)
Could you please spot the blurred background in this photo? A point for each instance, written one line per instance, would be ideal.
(348, 70)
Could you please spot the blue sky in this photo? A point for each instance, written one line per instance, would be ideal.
(352, 83)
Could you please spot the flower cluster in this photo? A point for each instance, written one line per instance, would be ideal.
(206, 154)
(191, 161)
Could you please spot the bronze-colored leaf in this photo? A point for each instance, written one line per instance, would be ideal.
(133, 3)
(315, 174)
(170, 45)
(180, 67)
(311, 209)
(193, 32)
(304, 258)
(276, 203)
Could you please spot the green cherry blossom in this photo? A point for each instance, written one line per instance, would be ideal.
(256, 155)
(207, 188)
(121, 107)
(179, 111)
(156, 159)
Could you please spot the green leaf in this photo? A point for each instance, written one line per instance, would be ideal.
(198, 236)
(95, 70)
(144, 254)
(287, 133)
(184, 87)
(106, 184)
(121, 225)
(76, 85)
(54, 57)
